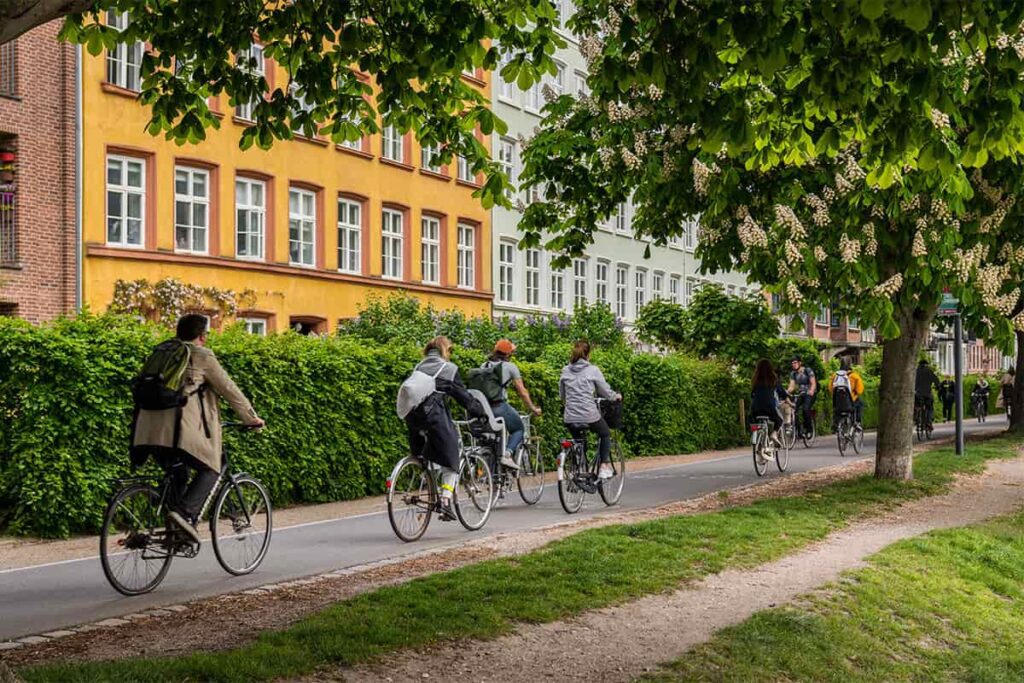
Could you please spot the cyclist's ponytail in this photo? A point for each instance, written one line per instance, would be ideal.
(580, 351)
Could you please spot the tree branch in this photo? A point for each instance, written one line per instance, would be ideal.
(20, 16)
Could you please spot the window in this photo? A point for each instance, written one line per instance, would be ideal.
(557, 289)
(430, 249)
(124, 62)
(507, 161)
(556, 82)
(466, 264)
(506, 89)
(191, 209)
(350, 236)
(126, 201)
(691, 287)
(657, 286)
(392, 238)
(356, 144)
(506, 270)
(257, 326)
(252, 61)
(429, 160)
(250, 218)
(640, 289)
(465, 172)
(580, 87)
(622, 222)
(9, 69)
(393, 144)
(853, 323)
(673, 289)
(532, 98)
(579, 281)
(776, 302)
(822, 316)
(601, 284)
(8, 236)
(622, 291)
(301, 107)
(533, 277)
(691, 235)
(731, 290)
(560, 14)
(301, 227)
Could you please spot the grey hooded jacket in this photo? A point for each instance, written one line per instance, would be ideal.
(577, 387)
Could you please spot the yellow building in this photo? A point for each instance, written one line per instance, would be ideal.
(311, 227)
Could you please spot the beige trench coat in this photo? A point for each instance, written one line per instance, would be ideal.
(156, 427)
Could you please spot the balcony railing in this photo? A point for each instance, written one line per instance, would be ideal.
(8, 69)
(8, 234)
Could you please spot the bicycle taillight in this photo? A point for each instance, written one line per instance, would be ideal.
(387, 485)
(567, 444)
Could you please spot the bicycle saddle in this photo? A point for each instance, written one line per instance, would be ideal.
(496, 424)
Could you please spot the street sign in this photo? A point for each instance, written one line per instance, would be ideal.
(948, 305)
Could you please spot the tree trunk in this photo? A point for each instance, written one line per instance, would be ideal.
(894, 455)
(21, 16)
(1017, 404)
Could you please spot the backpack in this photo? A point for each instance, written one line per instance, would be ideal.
(417, 388)
(841, 381)
(842, 395)
(160, 384)
(487, 380)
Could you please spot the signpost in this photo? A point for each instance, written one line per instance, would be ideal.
(948, 309)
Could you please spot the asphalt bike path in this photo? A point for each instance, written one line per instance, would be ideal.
(57, 595)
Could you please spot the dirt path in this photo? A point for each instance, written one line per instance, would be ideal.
(620, 643)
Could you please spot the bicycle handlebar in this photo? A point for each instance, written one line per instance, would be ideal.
(241, 426)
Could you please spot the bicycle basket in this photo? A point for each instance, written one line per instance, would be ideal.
(611, 411)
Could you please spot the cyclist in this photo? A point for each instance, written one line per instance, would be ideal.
(947, 394)
(510, 375)
(924, 380)
(804, 384)
(578, 384)
(193, 441)
(432, 431)
(766, 393)
(980, 392)
(848, 379)
(1007, 384)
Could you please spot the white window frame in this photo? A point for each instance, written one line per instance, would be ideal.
(639, 289)
(392, 144)
(580, 281)
(674, 287)
(821, 318)
(691, 289)
(124, 61)
(556, 286)
(466, 256)
(350, 236)
(623, 219)
(299, 222)
(580, 87)
(254, 53)
(193, 202)
(601, 282)
(692, 235)
(427, 155)
(507, 160)
(506, 90)
(622, 291)
(657, 285)
(506, 271)
(533, 97)
(126, 191)
(532, 270)
(465, 173)
(430, 249)
(392, 232)
(250, 242)
(257, 326)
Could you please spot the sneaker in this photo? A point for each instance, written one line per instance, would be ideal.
(605, 471)
(447, 510)
(184, 524)
(507, 461)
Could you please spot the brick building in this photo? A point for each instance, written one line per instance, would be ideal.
(37, 176)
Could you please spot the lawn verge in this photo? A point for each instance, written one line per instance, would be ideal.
(948, 605)
(592, 569)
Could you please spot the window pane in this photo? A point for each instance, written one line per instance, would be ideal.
(181, 182)
(134, 174)
(135, 206)
(114, 170)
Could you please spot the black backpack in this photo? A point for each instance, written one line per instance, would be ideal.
(487, 380)
(160, 385)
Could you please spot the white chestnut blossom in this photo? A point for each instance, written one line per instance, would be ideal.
(751, 234)
(919, 248)
(793, 294)
(819, 254)
(890, 287)
(849, 249)
(786, 217)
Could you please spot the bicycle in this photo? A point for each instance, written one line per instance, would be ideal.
(578, 475)
(981, 407)
(529, 477)
(137, 543)
(413, 492)
(788, 424)
(764, 450)
(849, 432)
(808, 437)
(923, 428)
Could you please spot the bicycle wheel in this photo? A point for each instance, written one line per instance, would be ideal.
(572, 465)
(782, 457)
(811, 435)
(474, 494)
(611, 489)
(841, 436)
(858, 438)
(531, 473)
(133, 540)
(241, 525)
(760, 462)
(411, 499)
(788, 435)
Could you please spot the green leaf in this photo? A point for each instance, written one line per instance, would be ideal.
(872, 9)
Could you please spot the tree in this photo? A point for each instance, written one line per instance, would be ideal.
(738, 330)
(353, 66)
(859, 152)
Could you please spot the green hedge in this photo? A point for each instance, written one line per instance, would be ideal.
(332, 433)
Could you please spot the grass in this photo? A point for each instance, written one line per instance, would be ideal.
(948, 605)
(592, 569)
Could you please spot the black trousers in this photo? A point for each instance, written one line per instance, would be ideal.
(947, 410)
(604, 437)
(804, 403)
(185, 497)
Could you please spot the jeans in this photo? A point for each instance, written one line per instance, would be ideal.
(947, 410)
(513, 425)
(187, 498)
(604, 437)
(858, 411)
(803, 412)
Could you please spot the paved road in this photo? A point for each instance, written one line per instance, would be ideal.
(48, 597)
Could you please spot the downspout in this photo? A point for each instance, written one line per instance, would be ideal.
(78, 179)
